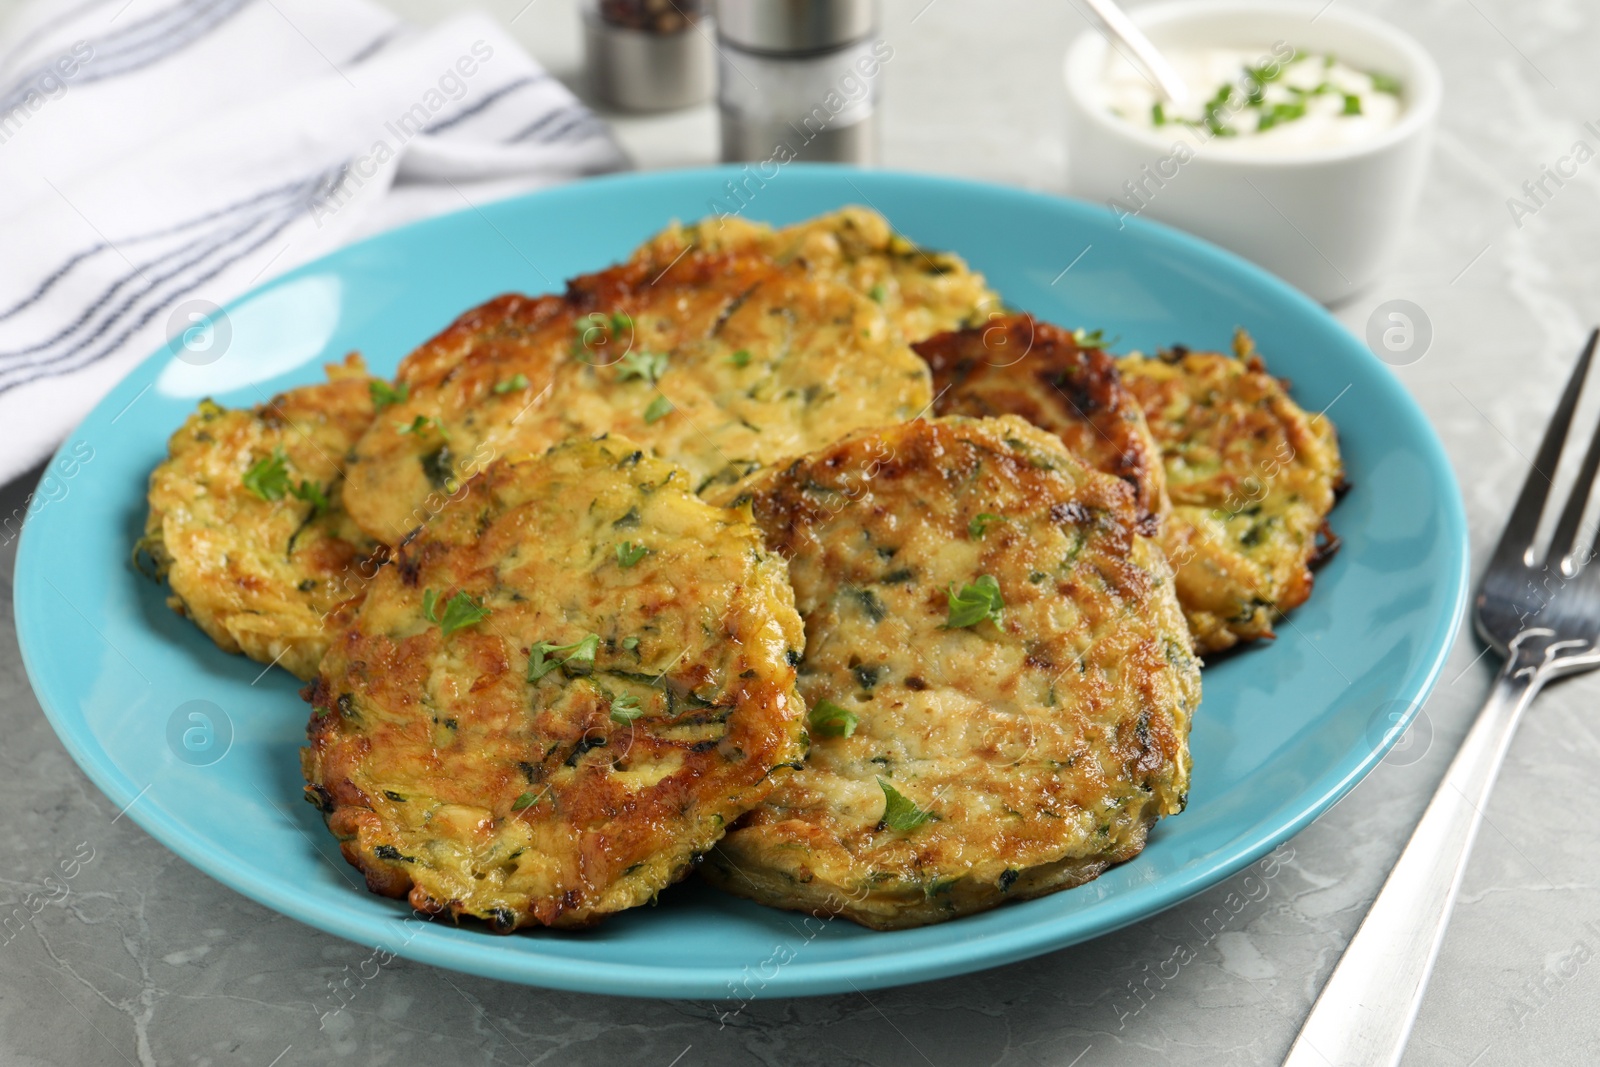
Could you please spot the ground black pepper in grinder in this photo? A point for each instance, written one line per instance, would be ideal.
(648, 55)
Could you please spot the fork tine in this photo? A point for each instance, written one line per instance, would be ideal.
(1566, 535)
(1517, 540)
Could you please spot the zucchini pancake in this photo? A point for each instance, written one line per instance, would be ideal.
(1060, 381)
(924, 292)
(998, 674)
(1252, 478)
(559, 694)
(715, 355)
(247, 522)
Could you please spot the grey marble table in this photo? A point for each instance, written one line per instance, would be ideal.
(147, 961)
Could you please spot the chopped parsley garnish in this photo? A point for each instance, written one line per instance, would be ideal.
(658, 409)
(460, 611)
(312, 493)
(580, 655)
(740, 358)
(899, 811)
(1088, 338)
(526, 800)
(978, 601)
(385, 395)
(596, 330)
(515, 383)
(830, 720)
(878, 293)
(625, 709)
(629, 553)
(980, 524)
(420, 425)
(649, 366)
(269, 479)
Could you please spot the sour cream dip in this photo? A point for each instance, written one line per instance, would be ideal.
(1262, 103)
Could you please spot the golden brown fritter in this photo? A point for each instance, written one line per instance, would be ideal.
(998, 675)
(1017, 365)
(1252, 478)
(247, 522)
(559, 694)
(719, 358)
(924, 291)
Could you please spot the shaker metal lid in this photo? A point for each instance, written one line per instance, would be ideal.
(791, 26)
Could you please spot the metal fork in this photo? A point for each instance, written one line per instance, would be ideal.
(1542, 613)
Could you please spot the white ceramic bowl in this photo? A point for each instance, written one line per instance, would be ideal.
(1325, 221)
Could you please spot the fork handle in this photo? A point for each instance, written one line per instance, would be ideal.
(1365, 1012)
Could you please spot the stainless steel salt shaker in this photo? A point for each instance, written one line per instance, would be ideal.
(798, 79)
(649, 55)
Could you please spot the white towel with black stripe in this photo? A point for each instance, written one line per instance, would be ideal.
(159, 153)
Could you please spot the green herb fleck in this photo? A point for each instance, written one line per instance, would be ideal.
(385, 395)
(580, 654)
(625, 709)
(268, 478)
(658, 409)
(649, 366)
(630, 643)
(1158, 114)
(312, 493)
(899, 812)
(1088, 338)
(878, 293)
(436, 466)
(629, 553)
(460, 611)
(526, 800)
(830, 720)
(1278, 114)
(981, 523)
(978, 601)
(1352, 104)
(1382, 83)
(420, 425)
(740, 358)
(515, 383)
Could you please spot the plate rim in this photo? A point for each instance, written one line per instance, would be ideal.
(796, 977)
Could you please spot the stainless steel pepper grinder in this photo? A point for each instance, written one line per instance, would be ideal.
(799, 79)
(648, 55)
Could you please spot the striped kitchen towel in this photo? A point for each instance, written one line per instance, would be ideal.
(157, 155)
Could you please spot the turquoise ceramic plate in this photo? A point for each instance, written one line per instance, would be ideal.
(1283, 732)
